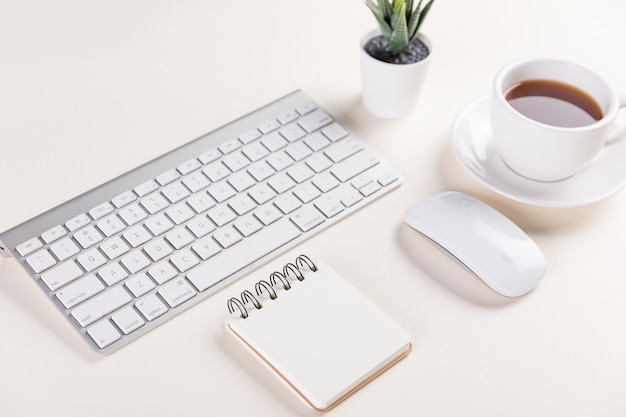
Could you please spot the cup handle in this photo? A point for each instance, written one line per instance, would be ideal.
(619, 132)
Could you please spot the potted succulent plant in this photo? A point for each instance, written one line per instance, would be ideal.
(394, 57)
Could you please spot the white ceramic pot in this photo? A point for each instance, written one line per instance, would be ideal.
(391, 90)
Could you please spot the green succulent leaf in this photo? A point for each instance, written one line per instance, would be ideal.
(398, 20)
(385, 28)
(399, 39)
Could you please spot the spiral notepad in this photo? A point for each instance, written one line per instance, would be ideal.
(317, 332)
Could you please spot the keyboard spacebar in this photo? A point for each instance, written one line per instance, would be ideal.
(243, 254)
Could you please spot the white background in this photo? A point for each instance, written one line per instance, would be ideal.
(89, 90)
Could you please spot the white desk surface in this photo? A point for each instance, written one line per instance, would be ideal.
(89, 90)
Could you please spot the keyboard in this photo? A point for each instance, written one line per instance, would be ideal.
(136, 251)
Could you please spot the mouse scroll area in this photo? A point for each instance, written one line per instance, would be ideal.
(494, 248)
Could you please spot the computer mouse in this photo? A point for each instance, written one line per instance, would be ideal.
(488, 243)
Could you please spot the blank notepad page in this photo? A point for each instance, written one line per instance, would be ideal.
(323, 337)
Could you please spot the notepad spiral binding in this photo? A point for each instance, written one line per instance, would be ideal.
(301, 262)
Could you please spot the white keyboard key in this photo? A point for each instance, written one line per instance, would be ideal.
(229, 146)
(101, 305)
(325, 182)
(249, 136)
(132, 214)
(353, 166)
(158, 224)
(112, 273)
(315, 120)
(151, 307)
(236, 161)
(306, 108)
(146, 188)
(267, 214)
(288, 117)
(329, 205)
(341, 150)
(369, 189)
(91, 259)
(274, 142)
(269, 126)
(216, 171)
(261, 193)
(279, 160)
(306, 192)
(222, 191)
(210, 156)
(281, 182)
(184, 260)
(179, 238)
(128, 320)
(300, 173)
(227, 236)
(243, 254)
(298, 151)
(137, 236)
(40, 261)
(158, 249)
(111, 225)
(261, 171)
(162, 272)
(175, 192)
(221, 215)
(241, 204)
(255, 151)
(361, 181)
(317, 141)
(123, 199)
(135, 262)
(189, 166)
(54, 234)
(292, 132)
(287, 203)
(200, 226)
(139, 284)
(177, 292)
(79, 291)
(247, 225)
(30, 246)
(61, 275)
(318, 162)
(64, 249)
(88, 236)
(206, 248)
(180, 213)
(307, 218)
(200, 202)
(104, 333)
(77, 222)
(100, 211)
(154, 203)
(350, 198)
(114, 247)
(387, 179)
(196, 181)
(241, 181)
(334, 132)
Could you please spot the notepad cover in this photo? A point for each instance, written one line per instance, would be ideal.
(323, 337)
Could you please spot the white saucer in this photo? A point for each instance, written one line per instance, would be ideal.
(472, 141)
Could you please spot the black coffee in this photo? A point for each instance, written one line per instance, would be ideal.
(554, 103)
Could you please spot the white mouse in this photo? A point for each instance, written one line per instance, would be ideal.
(490, 245)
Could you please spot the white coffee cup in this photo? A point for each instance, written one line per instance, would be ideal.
(542, 151)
